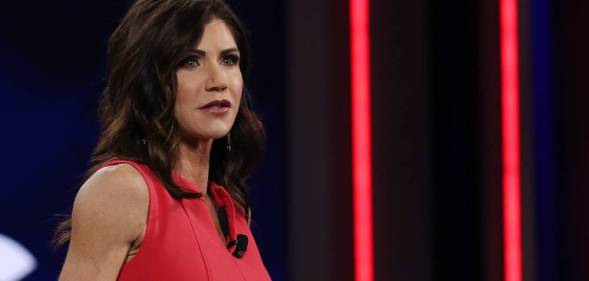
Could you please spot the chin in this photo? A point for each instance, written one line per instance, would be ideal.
(218, 135)
(215, 133)
(213, 130)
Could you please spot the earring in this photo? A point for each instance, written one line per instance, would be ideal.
(228, 146)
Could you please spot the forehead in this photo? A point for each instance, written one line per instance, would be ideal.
(216, 36)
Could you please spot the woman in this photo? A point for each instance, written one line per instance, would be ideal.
(166, 199)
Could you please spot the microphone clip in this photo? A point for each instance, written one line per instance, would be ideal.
(240, 245)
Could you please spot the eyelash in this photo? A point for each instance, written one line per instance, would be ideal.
(192, 61)
(234, 59)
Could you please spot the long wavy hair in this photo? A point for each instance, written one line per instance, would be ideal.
(136, 110)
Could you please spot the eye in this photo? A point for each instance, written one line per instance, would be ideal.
(189, 62)
(230, 60)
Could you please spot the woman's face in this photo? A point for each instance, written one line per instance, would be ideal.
(209, 85)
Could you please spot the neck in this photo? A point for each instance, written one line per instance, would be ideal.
(193, 162)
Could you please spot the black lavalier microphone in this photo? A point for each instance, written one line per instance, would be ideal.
(240, 242)
(241, 245)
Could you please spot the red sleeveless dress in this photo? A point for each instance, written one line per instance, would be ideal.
(181, 242)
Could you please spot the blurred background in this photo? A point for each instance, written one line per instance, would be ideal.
(436, 133)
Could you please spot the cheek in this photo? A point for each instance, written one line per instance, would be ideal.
(185, 87)
(185, 98)
(237, 89)
(188, 85)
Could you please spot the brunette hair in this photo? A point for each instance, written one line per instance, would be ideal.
(137, 107)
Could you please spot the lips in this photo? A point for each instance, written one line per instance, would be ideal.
(219, 104)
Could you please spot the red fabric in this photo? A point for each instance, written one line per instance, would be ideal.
(181, 242)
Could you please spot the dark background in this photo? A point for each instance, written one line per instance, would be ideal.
(435, 122)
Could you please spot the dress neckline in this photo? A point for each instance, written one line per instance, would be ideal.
(220, 198)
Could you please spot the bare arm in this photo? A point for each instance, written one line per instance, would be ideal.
(109, 213)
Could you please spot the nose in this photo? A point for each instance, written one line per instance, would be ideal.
(217, 80)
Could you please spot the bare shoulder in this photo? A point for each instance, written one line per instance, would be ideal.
(120, 178)
(109, 213)
(119, 183)
(113, 195)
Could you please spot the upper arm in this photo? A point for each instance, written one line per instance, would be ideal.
(109, 213)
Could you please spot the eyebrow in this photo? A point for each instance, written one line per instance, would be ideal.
(224, 52)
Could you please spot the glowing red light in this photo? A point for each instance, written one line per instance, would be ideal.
(512, 234)
(361, 140)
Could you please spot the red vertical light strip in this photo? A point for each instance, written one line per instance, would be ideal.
(361, 139)
(512, 233)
